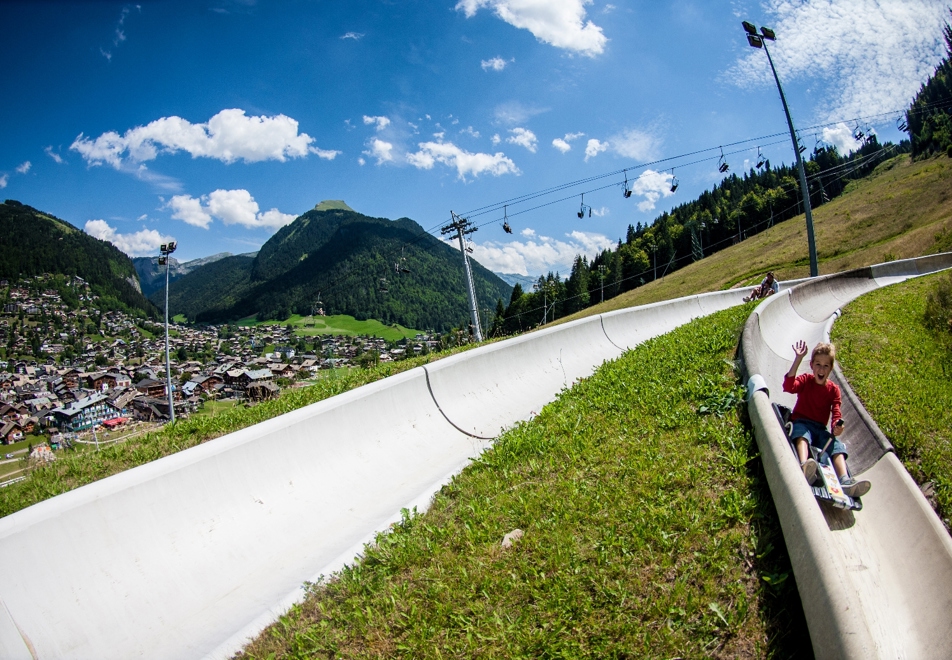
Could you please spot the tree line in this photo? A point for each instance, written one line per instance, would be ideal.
(735, 209)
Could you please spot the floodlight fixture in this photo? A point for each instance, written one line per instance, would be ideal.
(750, 27)
(755, 40)
(768, 33)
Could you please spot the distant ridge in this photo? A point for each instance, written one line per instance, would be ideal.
(389, 270)
(333, 205)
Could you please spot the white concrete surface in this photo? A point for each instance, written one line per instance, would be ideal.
(193, 554)
(876, 583)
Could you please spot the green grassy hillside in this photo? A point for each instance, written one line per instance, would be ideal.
(339, 324)
(904, 209)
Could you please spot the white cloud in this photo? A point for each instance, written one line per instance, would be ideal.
(139, 244)
(514, 112)
(635, 144)
(594, 147)
(841, 136)
(379, 149)
(494, 64)
(524, 138)
(466, 163)
(326, 154)
(52, 154)
(495, 139)
(361, 161)
(380, 122)
(562, 143)
(528, 232)
(189, 210)
(356, 36)
(600, 212)
(3, 180)
(872, 54)
(228, 136)
(469, 130)
(560, 23)
(539, 254)
(232, 207)
(24, 167)
(652, 186)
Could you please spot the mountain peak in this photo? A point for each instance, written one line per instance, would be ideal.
(333, 205)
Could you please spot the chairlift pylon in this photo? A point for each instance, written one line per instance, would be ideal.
(722, 165)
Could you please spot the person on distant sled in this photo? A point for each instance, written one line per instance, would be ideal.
(818, 403)
(767, 287)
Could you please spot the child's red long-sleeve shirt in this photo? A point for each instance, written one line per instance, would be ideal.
(814, 402)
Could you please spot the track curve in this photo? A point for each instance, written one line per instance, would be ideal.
(876, 583)
(193, 554)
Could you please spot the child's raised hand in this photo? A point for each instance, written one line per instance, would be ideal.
(800, 348)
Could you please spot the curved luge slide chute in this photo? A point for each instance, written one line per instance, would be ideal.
(193, 554)
(875, 583)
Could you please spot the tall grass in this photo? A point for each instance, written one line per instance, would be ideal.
(649, 532)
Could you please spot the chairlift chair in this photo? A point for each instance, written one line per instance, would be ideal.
(505, 221)
(858, 133)
(583, 207)
(383, 285)
(901, 124)
(674, 182)
(626, 190)
(400, 266)
(760, 159)
(722, 165)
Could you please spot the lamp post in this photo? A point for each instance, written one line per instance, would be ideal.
(760, 41)
(166, 249)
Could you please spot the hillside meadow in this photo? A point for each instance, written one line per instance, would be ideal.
(902, 210)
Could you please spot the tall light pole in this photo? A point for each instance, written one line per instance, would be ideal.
(166, 249)
(760, 41)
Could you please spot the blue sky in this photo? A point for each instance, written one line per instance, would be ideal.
(215, 123)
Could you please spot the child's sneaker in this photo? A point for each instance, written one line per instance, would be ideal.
(809, 468)
(854, 488)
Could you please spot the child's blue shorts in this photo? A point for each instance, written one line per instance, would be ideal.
(817, 435)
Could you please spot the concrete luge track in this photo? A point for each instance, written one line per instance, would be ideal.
(876, 583)
(192, 554)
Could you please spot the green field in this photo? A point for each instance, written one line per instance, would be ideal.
(341, 324)
(212, 408)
